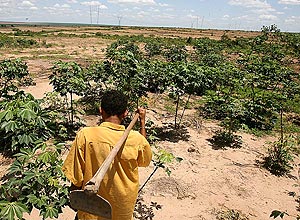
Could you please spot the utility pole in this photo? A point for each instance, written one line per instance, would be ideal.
(119, 19)
(91, 14)
(98, 15)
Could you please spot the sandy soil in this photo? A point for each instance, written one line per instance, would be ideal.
(151, 31)
(208, 182)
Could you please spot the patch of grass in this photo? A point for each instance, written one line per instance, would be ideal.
(230, 214)
(223, 139)
(170, 108)
(279, 159)
(255, 132)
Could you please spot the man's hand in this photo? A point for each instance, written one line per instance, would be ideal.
(142, 115)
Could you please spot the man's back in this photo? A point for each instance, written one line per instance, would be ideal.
(120, 185)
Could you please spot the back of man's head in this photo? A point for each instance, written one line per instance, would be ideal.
(114, 102)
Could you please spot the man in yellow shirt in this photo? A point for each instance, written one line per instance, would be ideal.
(93, 144)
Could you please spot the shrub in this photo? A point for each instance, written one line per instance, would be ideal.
(279, 158)
(22, 122)
(35, 180)
(223, 138)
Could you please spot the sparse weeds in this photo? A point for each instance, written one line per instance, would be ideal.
(223, 138)
(143, 211)
(230, 214)
(279, 158)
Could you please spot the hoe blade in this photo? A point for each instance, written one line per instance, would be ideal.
(91, 203)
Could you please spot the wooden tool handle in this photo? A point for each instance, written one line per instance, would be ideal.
(93, 184)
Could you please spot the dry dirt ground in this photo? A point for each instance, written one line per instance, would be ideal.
(207, 183)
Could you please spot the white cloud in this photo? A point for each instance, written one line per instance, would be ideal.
(72, 1)
(163, 4)
(192, 16)
(33, 8)
(289, 2)
(250, 3)
(94, 3)
(260, 8)
(142, 14)
(143, 2)
(4, 3)
(27, 4)
(268, 17)
(62, 6)
(292, 20)
(170, 9)
(65, 6)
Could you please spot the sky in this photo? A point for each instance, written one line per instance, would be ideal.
(203, 14)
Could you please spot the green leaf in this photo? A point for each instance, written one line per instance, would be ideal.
(25, 139)
(16, 167)
(276, 213)
(28, 175)
(9, 115)
(13, 210)
(51, 212)
(178, 159)
(165, 156)
(9, 126)
(27, 114)
(32, 199)
(168, 171)
(40, 122)
(2, 114)
(46, 156)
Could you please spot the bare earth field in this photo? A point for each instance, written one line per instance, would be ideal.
(208, 184)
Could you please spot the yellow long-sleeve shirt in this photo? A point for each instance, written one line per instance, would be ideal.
(120, 184)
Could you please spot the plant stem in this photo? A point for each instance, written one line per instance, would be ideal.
(177, 106)
(156, 167)
(281, 127)
(185, 107)
(72, 115)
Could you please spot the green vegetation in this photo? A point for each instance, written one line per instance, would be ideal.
(245, 83)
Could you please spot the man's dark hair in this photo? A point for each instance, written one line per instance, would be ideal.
(114, 102)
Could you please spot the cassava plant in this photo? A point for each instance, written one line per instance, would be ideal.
(35, 180)
(22, 122)
(162, 158)
(13, 73)
(68, 78)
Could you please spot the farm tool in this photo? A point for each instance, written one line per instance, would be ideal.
(87, 199)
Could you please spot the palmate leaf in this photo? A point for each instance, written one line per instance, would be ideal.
(12, 210)
(26, 139)
(28, 175)
(51, 212)
(2, 115)
(24, 155)
(165, 156)
(27, 114)
(276, 213)
(40, 122)
(9, 126)
(16, 167)
(9, 115)
(33, 199)
(46, 157)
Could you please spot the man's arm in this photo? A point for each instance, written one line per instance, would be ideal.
(142, 113)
